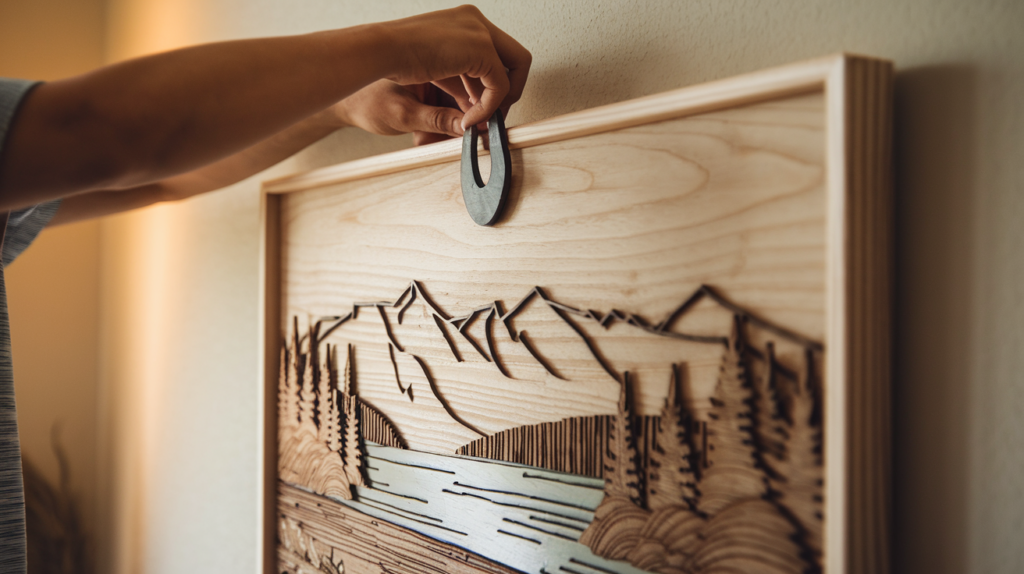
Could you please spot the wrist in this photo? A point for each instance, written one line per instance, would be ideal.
(366, 53)
(335, 117)
(388, 47)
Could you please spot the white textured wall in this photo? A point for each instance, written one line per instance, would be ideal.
(180, 283)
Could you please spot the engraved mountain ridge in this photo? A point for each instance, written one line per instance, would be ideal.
(456, 329)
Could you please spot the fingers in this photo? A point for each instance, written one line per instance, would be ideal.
(505, 82)
(419, 117)
(497, 78)
(386, 108)
(463, 54)
(455, 88)
(515, 58)
(495, 84)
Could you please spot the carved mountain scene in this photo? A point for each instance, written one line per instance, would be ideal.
(704, 426)
(448, 377)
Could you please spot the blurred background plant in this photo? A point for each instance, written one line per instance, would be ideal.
(57, 543)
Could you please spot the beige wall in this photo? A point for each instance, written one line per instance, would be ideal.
(179, 342)
(53, 288)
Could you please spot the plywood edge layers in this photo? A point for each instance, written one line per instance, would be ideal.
(270, 338)
(860, 243)
(739, 90)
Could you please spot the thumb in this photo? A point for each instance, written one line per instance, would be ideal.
(439, 120)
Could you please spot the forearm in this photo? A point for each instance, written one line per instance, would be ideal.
(149, 119)
(222, 173)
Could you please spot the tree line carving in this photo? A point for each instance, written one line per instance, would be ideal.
(678, 487)
(749, 499)
(321, 423)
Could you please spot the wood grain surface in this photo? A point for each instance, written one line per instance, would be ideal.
(774, 189)
(633, 220)
(773, 83)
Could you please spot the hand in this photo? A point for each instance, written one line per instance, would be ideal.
(387, 108)
(465, 55)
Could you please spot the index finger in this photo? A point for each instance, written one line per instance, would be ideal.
(516, 59)
(494, 80)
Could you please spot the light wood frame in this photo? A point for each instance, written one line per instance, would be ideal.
(859, 244)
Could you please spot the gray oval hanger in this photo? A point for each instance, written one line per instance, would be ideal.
(485, 202)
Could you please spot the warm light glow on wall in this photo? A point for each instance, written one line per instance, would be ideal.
(141, 252)
(140, 258)
(146, 26)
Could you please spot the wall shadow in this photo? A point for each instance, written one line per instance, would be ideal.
(934, 170)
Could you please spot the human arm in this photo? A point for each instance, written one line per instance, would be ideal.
(146, 121)
(383, 108)
(219, 174)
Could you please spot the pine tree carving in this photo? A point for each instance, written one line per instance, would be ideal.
(621, 463)
(311, 371)
(291, 392)
(734, 468)
(346, 389)
(353, 443)
(672, 480)
(282, 386)
(330, 414)
(771, 425)
(799, 488)
(342, 398)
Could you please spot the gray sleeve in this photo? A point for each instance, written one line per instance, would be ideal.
(23, 225)
(11, 94)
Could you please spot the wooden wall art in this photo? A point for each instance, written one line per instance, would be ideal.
(669, 355)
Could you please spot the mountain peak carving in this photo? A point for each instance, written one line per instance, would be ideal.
(492, 313)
